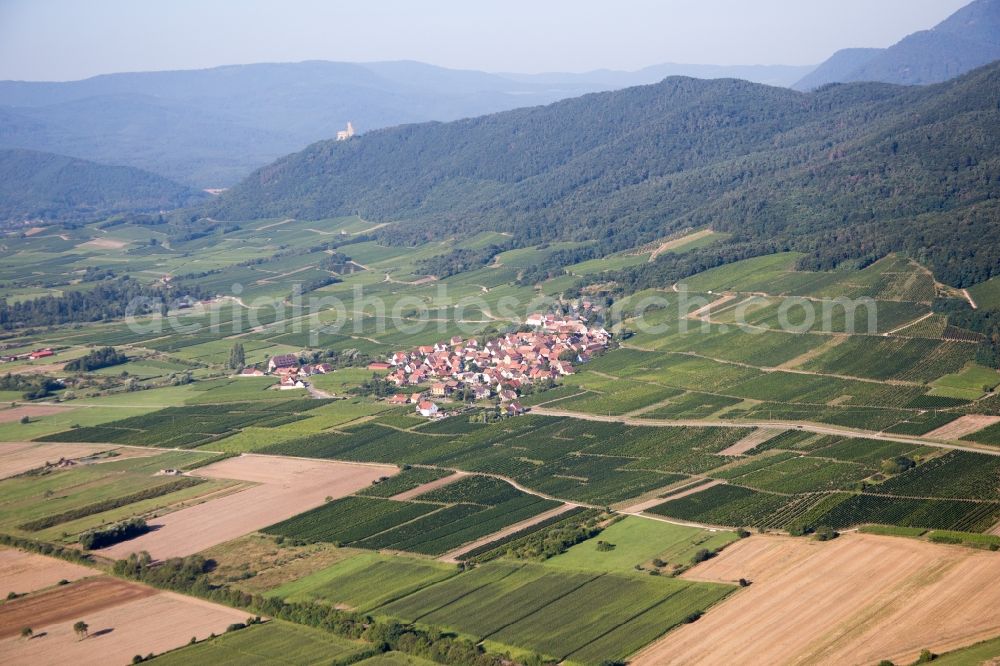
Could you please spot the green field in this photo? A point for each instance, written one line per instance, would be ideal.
(190, 426)
(586, 617)
(62, 503)
(349, 519)
(365, 581)
(269, 643)
(638, 541)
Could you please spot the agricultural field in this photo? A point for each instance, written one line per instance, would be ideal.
(58, 503)
(818, 484)
(365, 581)
(637, 542)
(969, 384)
(276, 489)
(125, 619)
(257, 563)
(564, 614)
(434, 523)
(570, 459)
(805, 601)
(268, 643)
(988, 435)
(666, 425)
(191, 426)
(19, 457)
(23, 572)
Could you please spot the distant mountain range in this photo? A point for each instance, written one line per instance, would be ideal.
(850, 171)
(967, 39)
(43, 186)
(209, 128)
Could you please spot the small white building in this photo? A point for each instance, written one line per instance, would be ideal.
(427, 408)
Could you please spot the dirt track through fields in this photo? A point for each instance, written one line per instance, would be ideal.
(507, 531)
(855, 600)
(677, 242)
(429, 486)
(806, 426)
(751, 441)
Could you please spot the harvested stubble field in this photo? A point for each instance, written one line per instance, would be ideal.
(22, 572)
(286, 487)
(12, 414)
(125, 619)
(19, 457)
(962, 426)
(855, 600)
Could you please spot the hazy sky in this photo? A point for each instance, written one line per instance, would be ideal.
(71, 39)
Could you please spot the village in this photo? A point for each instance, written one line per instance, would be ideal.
(500, 369)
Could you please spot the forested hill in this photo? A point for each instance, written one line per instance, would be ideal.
(967, 39)
(847, 171)
(48, 187)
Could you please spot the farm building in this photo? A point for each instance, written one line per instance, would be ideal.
(283, 363)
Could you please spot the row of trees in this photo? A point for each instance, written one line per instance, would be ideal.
(99, 537)
(108, 299)
(32, 387)
(104, 357)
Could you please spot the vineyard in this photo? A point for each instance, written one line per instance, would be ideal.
(190, 426)
(349, 519)
(928, 513)
(587, 618)
(435, 523)
(956, 474)
(365, 581)
(600, 463)
(989, 435)
(406, 480)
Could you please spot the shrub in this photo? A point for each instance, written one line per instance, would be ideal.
(701, 555)
(112, 534)
(826, 534)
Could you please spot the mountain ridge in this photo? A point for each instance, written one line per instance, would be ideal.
(55, 188)
(630, 166)
(211, 127)
(967, 39)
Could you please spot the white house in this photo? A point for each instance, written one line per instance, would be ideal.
(427, 408)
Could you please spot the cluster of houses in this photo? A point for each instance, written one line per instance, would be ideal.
(499, 367)
(286, 367)
(28, 356)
